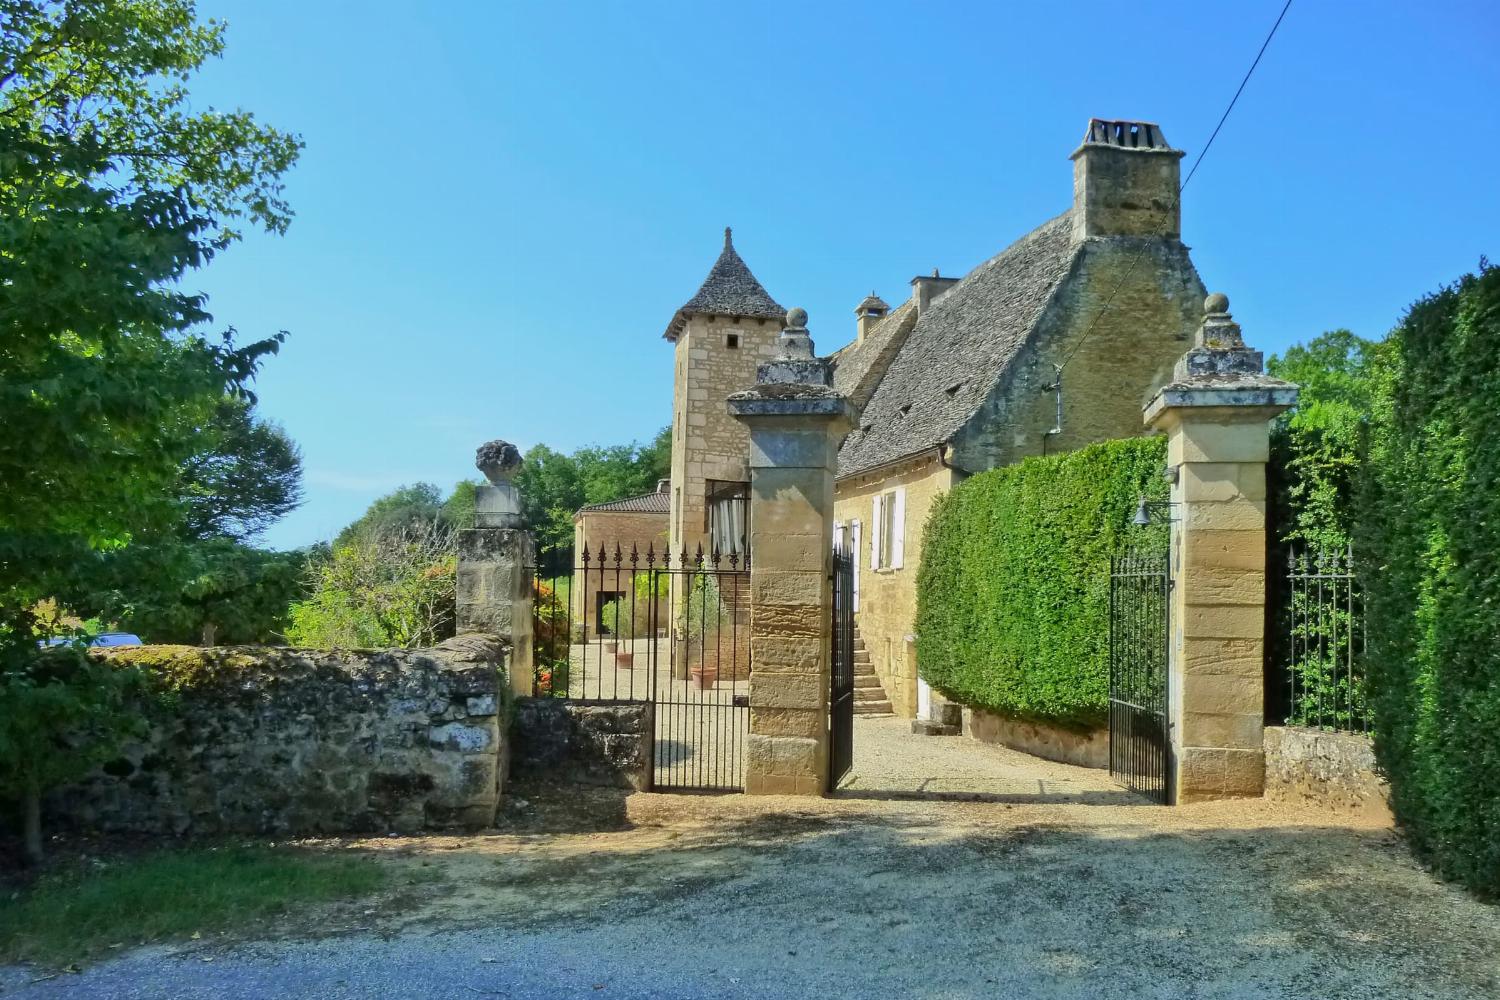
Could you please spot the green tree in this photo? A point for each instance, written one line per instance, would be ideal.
(113, 188)
(390, 589)
(553, 485)
(407, 506)
(248, 477)
(1316, 447)
(60, 715)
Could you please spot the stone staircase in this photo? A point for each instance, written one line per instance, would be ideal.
(869, 696)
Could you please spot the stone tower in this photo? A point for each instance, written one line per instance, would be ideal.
(720, 336)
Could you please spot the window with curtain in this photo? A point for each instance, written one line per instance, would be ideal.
(728, 517)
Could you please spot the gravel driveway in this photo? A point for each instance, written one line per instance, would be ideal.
(945, 870)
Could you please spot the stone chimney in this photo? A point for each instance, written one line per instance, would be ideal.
(869, 312)
(926, 290)
(1126, 182)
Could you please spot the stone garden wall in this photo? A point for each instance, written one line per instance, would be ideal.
(1086, 749)
(274, 740)
(1331, 770)
(584, 742)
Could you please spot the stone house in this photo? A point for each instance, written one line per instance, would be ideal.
(1019, 357)
(639, 521)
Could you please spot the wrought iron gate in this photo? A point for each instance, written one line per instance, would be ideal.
(1140, 746)
(841, 694)
(651, 627)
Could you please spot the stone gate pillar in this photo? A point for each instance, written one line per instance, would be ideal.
(494, 556)
(796, 423)
(1216, 414)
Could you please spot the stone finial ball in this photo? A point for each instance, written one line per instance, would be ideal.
(497, 458)
(1218, 302)
(796, 318)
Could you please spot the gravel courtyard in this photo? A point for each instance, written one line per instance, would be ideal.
(944, 869)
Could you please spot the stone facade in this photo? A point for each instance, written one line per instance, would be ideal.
(707, 444)
(584, 742)
(1333, 770)
(293, 741)
(888, 596)
(1115, 361)
(608, 529)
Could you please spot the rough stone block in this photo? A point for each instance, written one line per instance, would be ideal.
(463, 736)
(788, 722)
(1225, 515)
(783, 690)
(1240, 731)
(1222, 694)
(1214, 442)
(1224, 621)
(1207, 584)
(803, 587)
(771, 620)
(1224, 549)
(1232, 657)
(1212, 482)
(788, 654)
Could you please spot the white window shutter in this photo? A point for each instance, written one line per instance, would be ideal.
(898, 529)
(855, 540)
(838, 536)
(875, 535)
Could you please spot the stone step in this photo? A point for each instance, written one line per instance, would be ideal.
(864, 696)
(867, 682)
(859, 645)
(922, 727)
(873, 708)
(864, 670)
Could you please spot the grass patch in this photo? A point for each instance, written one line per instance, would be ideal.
(86, 905)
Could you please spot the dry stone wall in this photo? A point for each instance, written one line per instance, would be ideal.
(1332, 770)
(584, 742)
(294, 741)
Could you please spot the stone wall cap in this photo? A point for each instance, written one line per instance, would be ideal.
(790, 400)
(1204, 391)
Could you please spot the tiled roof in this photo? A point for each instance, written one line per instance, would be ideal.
(729, 290)
(960, 347)
(656, 502)
(857, 368)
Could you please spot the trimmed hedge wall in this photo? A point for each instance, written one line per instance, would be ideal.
(1013, 590)
(1428, 532)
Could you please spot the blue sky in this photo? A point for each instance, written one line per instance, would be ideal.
(501, 204)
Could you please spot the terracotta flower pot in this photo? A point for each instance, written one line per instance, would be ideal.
(625, 661)
(611, 645)
(704, 675)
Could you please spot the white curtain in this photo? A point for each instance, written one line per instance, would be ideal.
(727, 532)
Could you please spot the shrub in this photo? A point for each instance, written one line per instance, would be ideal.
(1013, 590)
(395, 589)
(61, 713)
(1428, 530)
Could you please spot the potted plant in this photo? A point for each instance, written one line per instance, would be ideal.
(617, 616)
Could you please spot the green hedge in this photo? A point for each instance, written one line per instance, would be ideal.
(1428, 531)
(1013, 590)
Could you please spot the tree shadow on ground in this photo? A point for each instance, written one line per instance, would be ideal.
(988, 909)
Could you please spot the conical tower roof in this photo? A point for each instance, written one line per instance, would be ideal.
(729, 290)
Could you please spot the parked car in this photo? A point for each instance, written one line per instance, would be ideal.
(102, 639)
